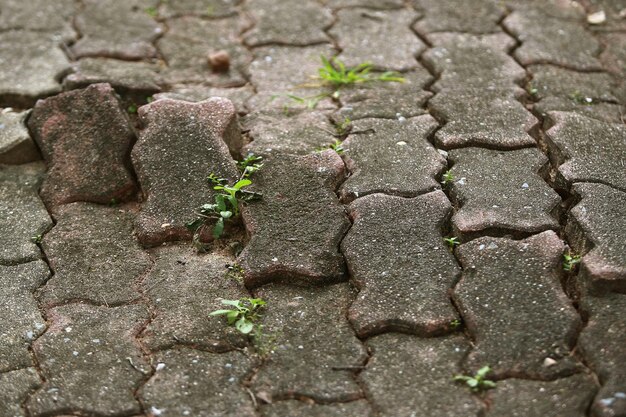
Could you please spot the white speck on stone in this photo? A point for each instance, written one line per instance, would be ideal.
(300, 347)
(620, 395)
(39, 326)
(596, 18)
(68, 329)
(525, 185)
(547, 362)
(156, 411)
(268, 58)
(492, 245)
(274, 259)
(481, 247)
(461, 181)
(164, 225)
(30, 335)
(442, 153)
(401, 143)
(75, 353)
(160, 366)
(607, 402)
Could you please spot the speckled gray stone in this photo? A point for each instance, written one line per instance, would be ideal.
(124, 76)
(16, 145)
(550, 80)
(15, 387)
(194, 93)
(606, 112)
(294, 408)
(472, 17)
(373, 4)
(44, 16)
(613, 55)
(204, 8)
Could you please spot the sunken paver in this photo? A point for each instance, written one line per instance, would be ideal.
(294, 408)
(475, 17)
(391, 157)
(16, 145)
(184, 287)
(398, 260)
(363, 35)
(90, 361)
(299, 22)
(586, 150)
(78, 126)
(52, 17)
(194, 93)
(180, 144)
(23, 216)
(512, 302)
(204, 8)
(602, 345)
(316, 351)
(194, 383)
(94, 255)
(597, 228)
(408, 376)
(15, 387)
(501, 192)
(298, 224)
(20, 317)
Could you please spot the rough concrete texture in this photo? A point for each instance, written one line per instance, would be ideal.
(16, 146)
(613, 56)
(180, 144)
(294, 408)
(614, 14)
(607, 112)
(549, 80)
(512, 302)
(51, 17)
(15, 387)
(372, 4)
(391, 157)
(441, 16)
(81, 125)
(204, 8)
(397, 258)
(288, 239)
(190, 92)
(315, 351)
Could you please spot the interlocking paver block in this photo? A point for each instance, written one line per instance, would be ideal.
(315, 351)
(373, 4)
(192, 92)
(84, 136)
(391, 157)
(180, 145)
(16, 145)
(475, 17)
(15, 387)
(90, 361)
(298, 224)
(607, 112)
(53, 17)
(195, 383)
(514, 307)
(501, 192)
(398, 260)
(409, 376)
(294, 408)
(205, 8)
(19, 315)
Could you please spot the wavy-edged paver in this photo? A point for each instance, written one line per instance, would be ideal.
(442, 16)
(294, 408)
(43, 16)
(15, 387)
(16, 145)
(192, 92)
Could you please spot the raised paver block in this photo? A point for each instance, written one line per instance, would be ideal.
(409, 376)
(84, 136)
(15, 387)
(194, 383)
(50, 17)
(294, 408)
(90, 361)
(442, 16)
(298, 224)
(398, 260)
(204, 8)
(16, 146)
(181, 143)
(20, 317)
(191, 92)
(391, 157)
(514, 307)
(316, 351)
(94, 255)
(501, 193)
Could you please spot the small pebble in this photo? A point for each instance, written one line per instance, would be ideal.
(219, 61)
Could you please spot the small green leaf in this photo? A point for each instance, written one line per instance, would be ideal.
(218, 229)
(242, 183)
(219, 312)
(194, 224)
(234, 303)
(244, 326)
(226, 214)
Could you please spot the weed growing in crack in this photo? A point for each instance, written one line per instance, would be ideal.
(36, 239)
(580, 98)
(243, 315)
(477, 383)
(335, 146)
(342, 129)
(264, 343)
(235, 272)
(151, 11)
(570, 261)
(455, 324)
(447, 179)
(452, 241)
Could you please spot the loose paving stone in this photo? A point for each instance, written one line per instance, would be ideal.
(294, 408)
(397, 258)
(549, 80)
(501, 193)
(180, 144)
(514, 307)
(78, 126)
(316, 351)
(194, 93)
(288, 240)
(196, 383)
(391, 157)
(478, 17)
(363, 36)
(597, 228)
(22, 213)
(90, 361)
(295, 22)
(14, 389)
(606, 112)
(53, 17)
(16, 146)
(409, 376)
(204, 8)
(20, 317)
(184, 288)
(94, 256)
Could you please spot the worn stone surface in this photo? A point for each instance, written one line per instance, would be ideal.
(52, 17)
(514, 307)
(501, 193)
(238, 95)
(613, 55)
(204, 8)
(372, 4)
(607, 112)
(90, 361)
(16, 146)
(124, 76)
(315, 351)
(293, 408)
(14, 390)
(78, 126)
(181, 143)
(398, 260)
(288, 240)
(391, 157)
(20, 317)
(549, 80)
(475, 17)
(614, 13)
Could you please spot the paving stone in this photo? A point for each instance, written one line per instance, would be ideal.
(38, 15)
(613, 56)
(391, 157)
(397, 258)
(20, 317)
(514, 307)
(194, 93)
(184, 287)
(501, 193)
(602, 345)
(205, 8)
(295, 22)
(180, 145)
(16, 146)
(294, 408)
(78, 126)
(363, 36)
(14, 389)
(90, 361)
(614, 13)
(475, 117)
(22, 213)
(316, 350)
(196, 383)
(288, 240)
(549, 80)
(560, 9)
(410, 376)
(372, 4)
(567, 397)
(479, 17)
(606, 112)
